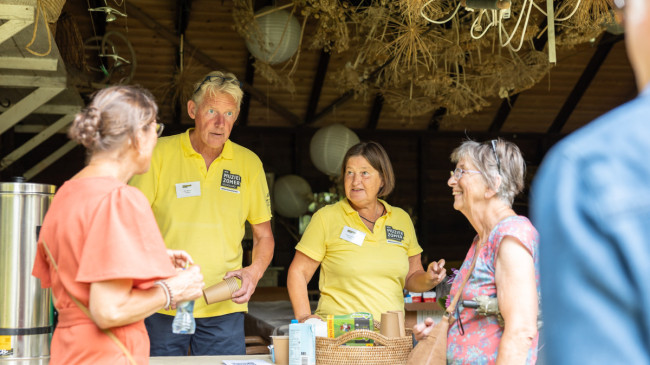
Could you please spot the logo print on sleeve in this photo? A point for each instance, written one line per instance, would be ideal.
(230, 182)
(394, 235)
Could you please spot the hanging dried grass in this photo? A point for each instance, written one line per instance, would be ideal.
(434, 86)
(180, 88)
(533, 65)
(409, 45)
(410, 107)
(243, 16)
(273, 77)
(410, 103)
(421, 65)
(332, 32)
(587, 23)
(462, 100)
(349, 78)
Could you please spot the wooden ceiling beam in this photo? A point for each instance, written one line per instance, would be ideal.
(436, 117)
(604, 46)
(183, 9)
(249, 77)
(375, 112)
(502, 113)
(317, 85)
(170, 36)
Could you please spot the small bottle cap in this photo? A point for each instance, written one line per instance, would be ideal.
(294, 321)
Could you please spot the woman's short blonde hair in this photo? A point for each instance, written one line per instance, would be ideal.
(378, 159)
(496, 159)
(218, 82)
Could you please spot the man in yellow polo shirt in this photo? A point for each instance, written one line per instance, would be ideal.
(202, 188)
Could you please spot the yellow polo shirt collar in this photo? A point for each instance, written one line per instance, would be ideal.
(189, 151)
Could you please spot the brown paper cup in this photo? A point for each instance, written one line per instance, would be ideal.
(390, 325)
(220, 291)
(402, 327)
(281, 349)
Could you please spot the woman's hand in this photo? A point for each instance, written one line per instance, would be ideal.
(306, 317)
(180, 259)
(185, 285)
(436, 271)
(418, 280)
(422, 330)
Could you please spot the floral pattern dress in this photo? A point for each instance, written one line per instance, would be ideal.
(480, 343)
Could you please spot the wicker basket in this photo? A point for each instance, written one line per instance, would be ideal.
(386, 351)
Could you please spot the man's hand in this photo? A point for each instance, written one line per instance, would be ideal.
(249, 279)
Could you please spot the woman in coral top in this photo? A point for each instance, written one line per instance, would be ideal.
(100, 243)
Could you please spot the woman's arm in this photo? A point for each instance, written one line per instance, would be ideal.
(518, 302)
(115, 303)
(418, 280)
(300, 273)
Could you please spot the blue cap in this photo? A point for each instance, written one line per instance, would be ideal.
(294, 321)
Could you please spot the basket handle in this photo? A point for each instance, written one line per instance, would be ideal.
(361, 333)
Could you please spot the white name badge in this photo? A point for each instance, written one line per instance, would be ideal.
(352, 235)
(185, 190)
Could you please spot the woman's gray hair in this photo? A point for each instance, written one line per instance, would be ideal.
(218, 82)
(112, 117)
(494, 159)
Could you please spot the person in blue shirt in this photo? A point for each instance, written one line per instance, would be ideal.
(591, 205)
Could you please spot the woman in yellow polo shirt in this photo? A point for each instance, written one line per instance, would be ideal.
(367, 249)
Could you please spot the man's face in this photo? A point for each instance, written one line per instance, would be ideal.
(213, 119)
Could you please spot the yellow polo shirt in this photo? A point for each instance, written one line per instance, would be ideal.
(203, 211)
(356, 276)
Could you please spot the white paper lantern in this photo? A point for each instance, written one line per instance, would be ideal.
(291, 196)
(328, 147)
(280, 36)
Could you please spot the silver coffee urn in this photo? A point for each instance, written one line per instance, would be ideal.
(25, 321)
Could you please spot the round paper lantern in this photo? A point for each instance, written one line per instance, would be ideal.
(291, 196)
(328, 147)
(280, 36)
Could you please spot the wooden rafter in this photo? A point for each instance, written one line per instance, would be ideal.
(26, 106)
(249, 77)
(604, 46)
(317, 85)
(18, 17)
(375, 112)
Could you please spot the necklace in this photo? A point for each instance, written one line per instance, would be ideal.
(373, 222)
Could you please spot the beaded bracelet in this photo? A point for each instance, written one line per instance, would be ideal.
(168, 292)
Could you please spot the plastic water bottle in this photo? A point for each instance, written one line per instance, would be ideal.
(184, 322)
(302, 344)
